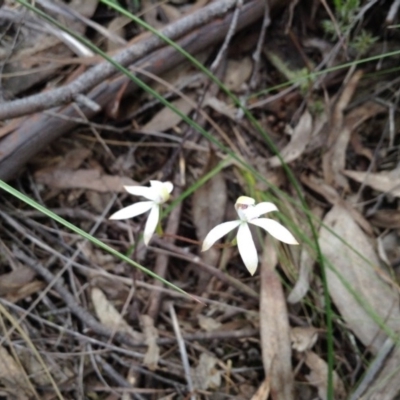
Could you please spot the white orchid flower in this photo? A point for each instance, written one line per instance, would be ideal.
(157, 194)
(249, 214)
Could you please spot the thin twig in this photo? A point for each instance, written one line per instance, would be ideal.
(182, 350)
(229, 36)
(260, 44)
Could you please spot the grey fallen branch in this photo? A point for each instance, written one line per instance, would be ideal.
(32, 134)
(102, 71)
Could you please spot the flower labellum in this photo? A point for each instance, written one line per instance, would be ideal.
(157, 194)
(249, 213)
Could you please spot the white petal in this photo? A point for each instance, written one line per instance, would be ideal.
(161, 186)
(247, 248)
(144, 191)
(151, 224)
(133, 211)
(217, 233)
(263, 208)
(275, 229)
(245, 201)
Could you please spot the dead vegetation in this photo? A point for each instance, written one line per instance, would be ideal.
(321, 80)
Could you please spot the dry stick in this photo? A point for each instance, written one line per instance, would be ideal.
(260, 44)
(36, 132)
(228, 38)
(104, 70)
(162, 260)
(182, 350)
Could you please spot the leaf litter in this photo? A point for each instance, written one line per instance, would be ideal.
(337, 134)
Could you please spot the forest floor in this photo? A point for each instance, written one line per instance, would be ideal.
(295, 105)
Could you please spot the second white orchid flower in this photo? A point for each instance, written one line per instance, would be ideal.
(158, 193)
(249, 213)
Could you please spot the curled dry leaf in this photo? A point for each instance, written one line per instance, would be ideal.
(14, 378)
(339, 135)
(237, 73)
(363, 275)
(220, 106)
(387, 182)
(307, 261)
(166, 118)
(300, 138)
(303, 338)
(151, 335)
(336, 156)
(262, 391)
(318, 377)
(205, 375)
(15, 280)
(208, 324)
(274, 326)
(109, 315)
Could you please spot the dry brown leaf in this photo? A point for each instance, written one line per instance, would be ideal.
(339, 136)
(13, 377)
(363, 275)
(116, 27)
(208, 324)
(61, 372)
(109, 315)
(99, 201)
(74, 158)
(352, 121)
(238, 73)
(307, 261)
(166, 118)
(15, 280)
(150, 14)
(91, 179)
(96, 256)
(150, 332)
(302, 285)
(318, 377)
(220, 107)
(274, 326)
(303, 338)
(386, 219)
(262, 391)
(205, 375)
(25, 291)
(387, 182)
(298, 142)
(170, 12)
(333, 197)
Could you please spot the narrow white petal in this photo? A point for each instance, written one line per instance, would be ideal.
(151, 224)
(263, 208)
(247, 248)
(144, 191)
(217, 233)
(133, 211)
(275, 229)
